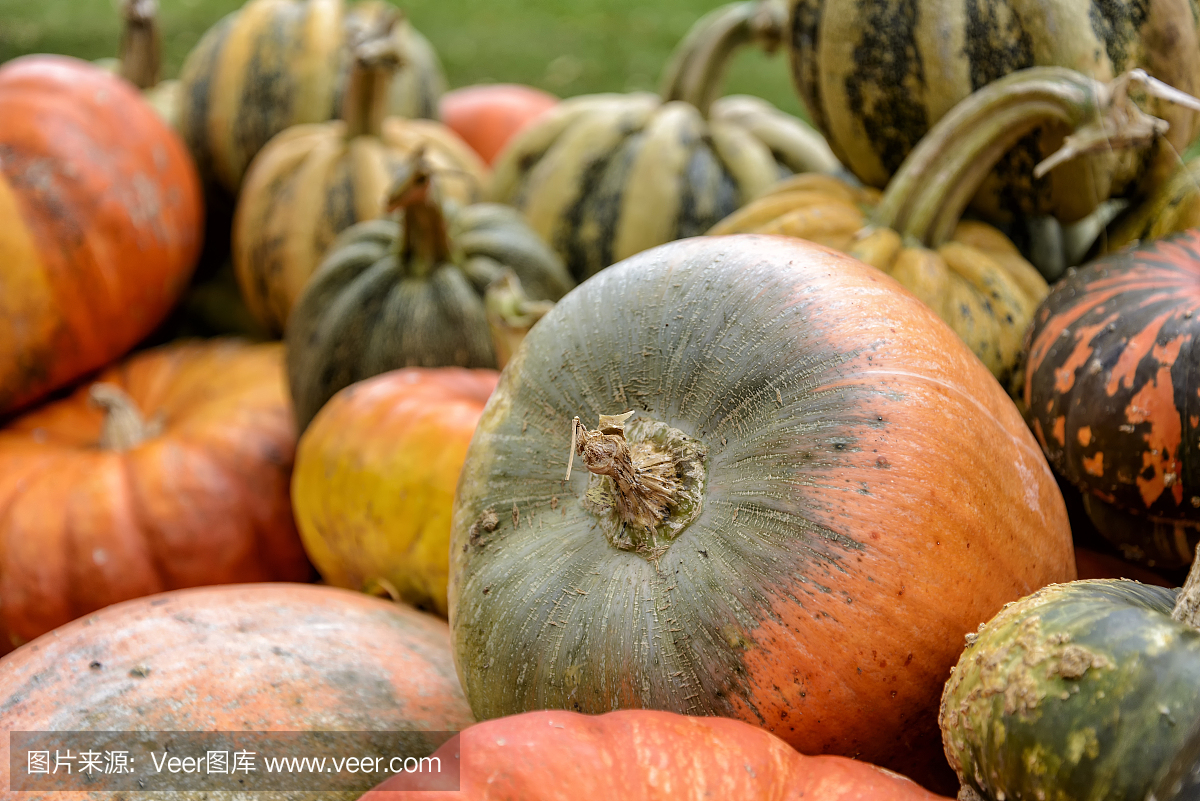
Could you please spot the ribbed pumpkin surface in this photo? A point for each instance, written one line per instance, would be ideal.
(877, 74)
(839, 534)
(100, 222)
(205, 501)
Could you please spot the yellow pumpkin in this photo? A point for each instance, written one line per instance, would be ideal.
(373, 487)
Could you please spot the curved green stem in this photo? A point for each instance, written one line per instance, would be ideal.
(377, 56)
(927, 195)
(696, 71)
(141, 44)
(1187, 603)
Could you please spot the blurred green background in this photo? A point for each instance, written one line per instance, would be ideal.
(567, 47)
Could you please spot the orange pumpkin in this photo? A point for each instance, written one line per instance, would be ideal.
(100, 222)
(488, 115)
(373, 489)
(643, 756)
(181, 480)
(264, 657)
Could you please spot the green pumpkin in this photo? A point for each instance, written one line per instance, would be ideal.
(602, 177)
(408, 292)
(877, 74)
(273, 64)
(1080, 692)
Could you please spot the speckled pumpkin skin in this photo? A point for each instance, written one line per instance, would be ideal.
(1173, 208)
(254, 657)
(849, 533)
(877, 74)
(1081, 692)
(1112, 384)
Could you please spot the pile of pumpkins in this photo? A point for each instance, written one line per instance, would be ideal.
(660, 444)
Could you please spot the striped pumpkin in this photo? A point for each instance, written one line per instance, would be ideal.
(278, 63)
(313, 181)
(407, 292)
(966, 271)
(140, 59)
(1114, 394)
(601, 177)
(877, 74)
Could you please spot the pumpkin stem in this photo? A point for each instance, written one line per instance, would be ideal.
(927, 195)
(141, 44)
(124, 426)
(696, 71)
(511, 314)
(377, 56)
(1187, 603)
(425, 240)
(643, 489)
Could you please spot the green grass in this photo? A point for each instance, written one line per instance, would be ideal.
(567, 47)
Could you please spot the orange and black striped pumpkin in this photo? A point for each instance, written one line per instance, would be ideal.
(841, 487)
(1112, 385)
(277, 63)
(101, 218)
(602, 177)
(877, 74)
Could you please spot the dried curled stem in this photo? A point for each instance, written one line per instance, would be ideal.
(1123, 124)
(644, 490)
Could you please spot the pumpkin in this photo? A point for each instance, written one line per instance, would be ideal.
(602, 177)
(1083, 691)
(488, 115)
(406, 292)
(807, 434)
(876, 76)
(171, 470)
(510, 314)
(966, 271)
(140, 61)
(1172, 208)
(273, 64)
(313, 181)
(643, 756)
(375, 476)
(100, 223)
(249, 658)
(1114, 396)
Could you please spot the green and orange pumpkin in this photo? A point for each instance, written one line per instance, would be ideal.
(171, 470)
(795, 528)
(101, 219)
(876, 75)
